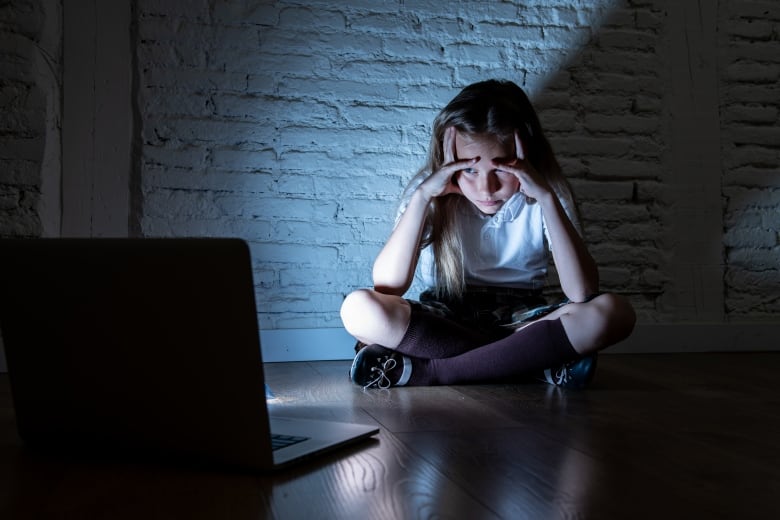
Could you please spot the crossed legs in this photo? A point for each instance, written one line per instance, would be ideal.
(373, 317)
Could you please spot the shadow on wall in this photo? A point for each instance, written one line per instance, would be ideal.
(637, 128)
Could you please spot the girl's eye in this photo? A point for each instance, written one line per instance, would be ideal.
(470, 171)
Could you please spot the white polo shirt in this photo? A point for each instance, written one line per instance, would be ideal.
(508, 249)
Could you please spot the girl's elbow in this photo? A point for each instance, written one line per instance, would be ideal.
(583, 292)
(389, 284)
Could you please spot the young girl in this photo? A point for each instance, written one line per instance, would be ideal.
(479, 220)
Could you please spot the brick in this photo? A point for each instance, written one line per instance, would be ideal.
(585, 189)
(307, 18)
(615, 277)
(382, 116)
(185, 80)
(625, 62)
(19, 172)
(751, 218)
(412, 48)
(238, 159)
(578, 145)
(741, 236)
(247, 206)
(615, 212)
(164, 225)
(375, 187)
(331, 278)
(758, 9)
(752, 29)
(311, 138)
(368, 210)
(625, 124)
(752, 258)
(753, 73)
(752, 177)
(217, 181)
(297, 65)
(748, 134)
(739, 197)
(385, 23)
(627, 39)
(762, 282)
(749, 93)
(245, 12)
(564, 37)
(196, 9)
(622, 83)
(623, 255)
(300, 254)
(623, 168)
(342, 89)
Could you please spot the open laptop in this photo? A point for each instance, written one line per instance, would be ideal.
(145, 345)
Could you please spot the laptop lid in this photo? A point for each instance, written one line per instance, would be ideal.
(147, 345)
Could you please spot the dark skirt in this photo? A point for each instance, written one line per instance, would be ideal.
(494, 311)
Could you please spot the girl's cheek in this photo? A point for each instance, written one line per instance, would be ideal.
(509, 179)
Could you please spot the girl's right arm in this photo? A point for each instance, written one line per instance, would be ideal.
(394, 266)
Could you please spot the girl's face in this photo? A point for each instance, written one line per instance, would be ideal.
(484, 183)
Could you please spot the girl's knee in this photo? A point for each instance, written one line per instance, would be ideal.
(618, 313)
(355, 306)
(369, 315)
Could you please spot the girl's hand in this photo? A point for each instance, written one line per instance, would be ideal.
(531, 183)
(441, 182)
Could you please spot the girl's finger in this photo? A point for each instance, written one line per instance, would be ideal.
(519, 151)
(449, 170)
(449, 145)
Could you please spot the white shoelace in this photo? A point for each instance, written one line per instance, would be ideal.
(382, 381)
(557, 376)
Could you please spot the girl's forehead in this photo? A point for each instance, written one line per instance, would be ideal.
(484, 142)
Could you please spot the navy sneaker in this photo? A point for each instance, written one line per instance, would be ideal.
(577, 374)
(378, 367)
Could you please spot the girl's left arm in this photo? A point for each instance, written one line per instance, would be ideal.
(577, 271)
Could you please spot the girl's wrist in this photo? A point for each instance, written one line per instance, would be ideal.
(548, 197)
(423, 196)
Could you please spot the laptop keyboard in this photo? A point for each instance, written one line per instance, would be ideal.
(279, 441)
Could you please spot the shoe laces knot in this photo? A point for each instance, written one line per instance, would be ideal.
(379, 373)
(562, 375)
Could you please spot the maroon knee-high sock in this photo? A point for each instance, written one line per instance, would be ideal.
(541, 345)
(432, 337)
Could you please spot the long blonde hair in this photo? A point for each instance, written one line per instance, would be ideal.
(492, 108)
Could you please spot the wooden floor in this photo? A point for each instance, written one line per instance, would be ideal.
(656, 436)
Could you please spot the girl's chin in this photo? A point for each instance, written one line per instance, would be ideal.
(488, 207)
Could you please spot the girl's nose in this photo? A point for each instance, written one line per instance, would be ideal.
(488, 183)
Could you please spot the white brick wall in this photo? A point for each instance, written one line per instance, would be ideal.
(296, 124)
